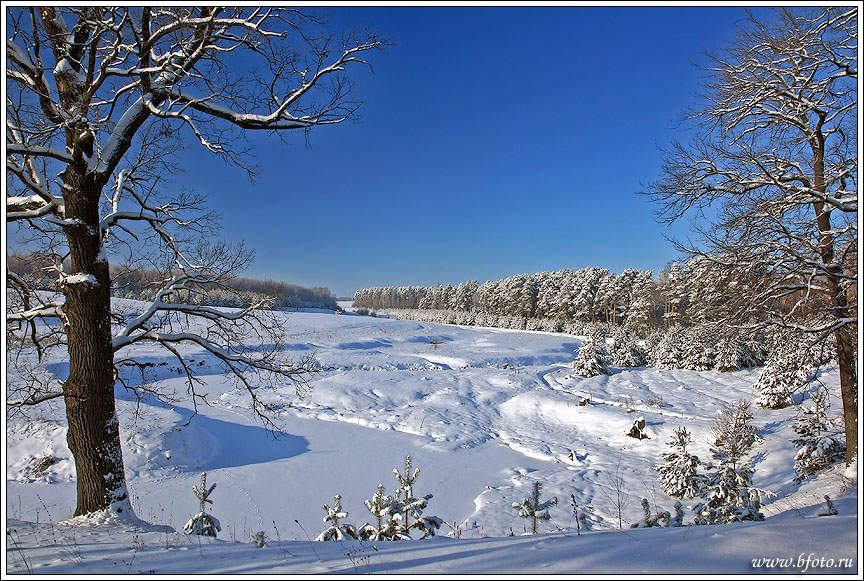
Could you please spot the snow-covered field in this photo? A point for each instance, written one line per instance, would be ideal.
(484, 413)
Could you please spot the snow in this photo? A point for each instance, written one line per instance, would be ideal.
(484, 413)
(80, 278)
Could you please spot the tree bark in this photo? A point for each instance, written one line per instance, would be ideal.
(93, 433)
(848, 373)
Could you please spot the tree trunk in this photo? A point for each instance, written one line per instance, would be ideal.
(849, 391)
(848, 374)
(837, 298)
(93, 434)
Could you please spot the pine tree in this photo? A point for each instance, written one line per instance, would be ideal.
(787, 370)
(818, 438)
(411, 507)
(680, 477)
(592, 358)
(385, 510)
(731, 495)
(668, 353)
(336, 531)
(202, 523)
(730, 352)
(532, 508)
(699, 349)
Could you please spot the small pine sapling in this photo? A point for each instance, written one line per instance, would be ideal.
(336, 531)
(532, 508)
(731, 495)
(383, 509)
(202, 523)
(819, 442)
(412, 507)
(679, 476)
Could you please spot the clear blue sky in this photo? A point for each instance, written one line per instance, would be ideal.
(493, 141)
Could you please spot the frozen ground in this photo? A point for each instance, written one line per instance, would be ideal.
(483, 412)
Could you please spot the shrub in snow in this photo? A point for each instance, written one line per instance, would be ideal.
(203, 523)
(625, 351)
(592, 359)
(659, 519)
(639, 430)
(819, 441)
(411, 507)
(336, 531)
(678, 519)
(830, 508)
(679, 476)
(730, 494)
(532, 508)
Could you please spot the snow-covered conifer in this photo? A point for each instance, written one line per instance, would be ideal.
(699, 349)
(385, 510)
(786, 371)
(626, 351)
(202, 523)
(730, 353)
(668, 353)
(679, 476)
(641, 304)
(336, 531)
(411, 507)
(592, 358)
(730, 494)
(532, 508)
(819, 441)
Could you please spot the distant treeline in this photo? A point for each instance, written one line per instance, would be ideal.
(688, 295)
(143, 284)
(591, 294)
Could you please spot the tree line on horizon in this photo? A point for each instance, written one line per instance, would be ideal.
(144, 283)
(690, 294)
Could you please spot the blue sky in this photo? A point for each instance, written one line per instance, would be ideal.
(493, 141)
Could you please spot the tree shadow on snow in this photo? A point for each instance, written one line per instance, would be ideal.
(204, 443)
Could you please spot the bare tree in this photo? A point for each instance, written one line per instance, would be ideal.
(614, 491)
(770, 177)
(99, 102)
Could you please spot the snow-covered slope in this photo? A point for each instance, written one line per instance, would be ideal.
(484, 413)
